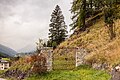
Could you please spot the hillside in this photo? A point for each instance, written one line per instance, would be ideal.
(97, 42)
(6, 52)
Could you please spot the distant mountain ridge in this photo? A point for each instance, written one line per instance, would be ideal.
(30, 47)
(6, 51)
(27, 49)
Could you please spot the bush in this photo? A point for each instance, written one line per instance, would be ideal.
(39, 63)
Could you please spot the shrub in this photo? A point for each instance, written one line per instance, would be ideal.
(39, 63)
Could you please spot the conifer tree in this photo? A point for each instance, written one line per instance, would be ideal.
(58, 28)
(79, 11)
(110, 14)
(86, 11)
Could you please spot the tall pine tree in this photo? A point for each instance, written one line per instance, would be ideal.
(58, 28)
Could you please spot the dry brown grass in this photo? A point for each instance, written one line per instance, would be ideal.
(98, 43)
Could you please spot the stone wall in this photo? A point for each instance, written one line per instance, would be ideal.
(76, 55)
(80, 56)
(71, 56)
(48, 52)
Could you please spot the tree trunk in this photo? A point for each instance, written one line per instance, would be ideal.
(84, 16)
(91, 5)
(112, 31)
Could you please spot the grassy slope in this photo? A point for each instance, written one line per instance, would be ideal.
(96, 40)
(22, 64)
(78, 74)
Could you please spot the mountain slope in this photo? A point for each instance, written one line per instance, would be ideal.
(26, 49)
(97, 42)
(6, 52)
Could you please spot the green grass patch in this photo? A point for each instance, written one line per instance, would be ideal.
(2, 71)
(80, 73)
(6, 59)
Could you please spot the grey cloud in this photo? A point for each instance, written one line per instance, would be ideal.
(22, 22)
(5, 8)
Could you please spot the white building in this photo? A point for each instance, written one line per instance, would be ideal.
(4, 64)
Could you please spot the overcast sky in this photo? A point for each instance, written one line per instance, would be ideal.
(22, 22)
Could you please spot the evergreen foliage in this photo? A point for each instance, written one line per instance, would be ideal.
(58, 28)
(79, 11)
(110, 15)
(85, 12)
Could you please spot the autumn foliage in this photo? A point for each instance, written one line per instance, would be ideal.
(38, 63)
